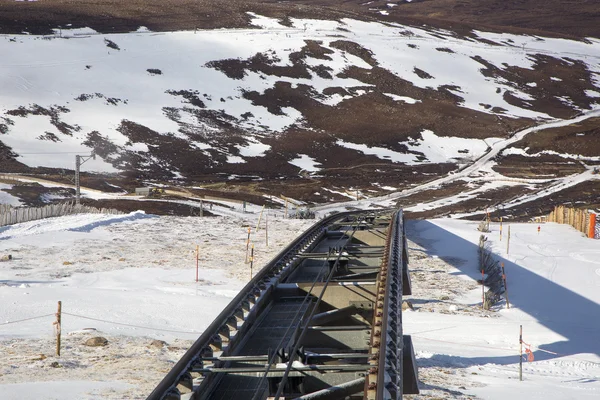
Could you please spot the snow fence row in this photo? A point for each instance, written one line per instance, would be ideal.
(11, 216)
(583, 220)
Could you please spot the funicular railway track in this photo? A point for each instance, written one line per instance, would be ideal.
(322, 320)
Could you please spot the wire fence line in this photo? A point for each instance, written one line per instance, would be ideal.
(98, 320)
(515, 350)
(10, 215)
(130, 325)
(26, 319)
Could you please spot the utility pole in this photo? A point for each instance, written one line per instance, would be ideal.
(78, 161)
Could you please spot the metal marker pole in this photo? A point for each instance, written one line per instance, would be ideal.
(247, 245)
(505, 286)
(251, 260)
(482, 289)
(197, 256)
(521, 353)
(259, 218)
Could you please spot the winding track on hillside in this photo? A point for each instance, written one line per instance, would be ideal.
(480, 163)
(320, 321)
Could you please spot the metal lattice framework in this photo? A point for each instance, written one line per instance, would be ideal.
(322, 320)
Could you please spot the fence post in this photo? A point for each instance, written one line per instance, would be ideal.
(251, 260)
(500, 228)
(259, 218)
(57, 323)
(197, 256)
(592, 227)
(520, 352)
(267, 228)
(482, 288)
(505, 287)
(247, 245)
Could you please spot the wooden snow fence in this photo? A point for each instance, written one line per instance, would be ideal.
(4, 208)
(10, 215)
(582, 220)
(8, 179)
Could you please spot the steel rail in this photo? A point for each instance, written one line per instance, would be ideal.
(389, 374)
(175, 375)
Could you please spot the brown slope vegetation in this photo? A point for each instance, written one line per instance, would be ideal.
(545, 166)
(584, 195)
(582, 138)
(573, 142)
(577, 18)
(492, 199)
(110, 16)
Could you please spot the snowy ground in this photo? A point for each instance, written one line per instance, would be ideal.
(94, 264)
(464, 352)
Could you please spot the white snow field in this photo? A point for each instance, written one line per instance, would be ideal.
(131, 279)
(554, 291)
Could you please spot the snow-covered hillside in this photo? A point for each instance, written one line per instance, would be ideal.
(174, 103)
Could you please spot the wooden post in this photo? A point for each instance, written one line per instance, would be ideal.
(57, 323)
(482, 288)
(197, 257)
(521, 352)
(505, 287)
(267, 228)
(251, 260)
(508, 241)
(592, 227)
(259, 218)
(247, 245)
(500, 228)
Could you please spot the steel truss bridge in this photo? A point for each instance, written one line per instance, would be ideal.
(322, 320)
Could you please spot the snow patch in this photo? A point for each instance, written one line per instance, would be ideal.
(306, 163)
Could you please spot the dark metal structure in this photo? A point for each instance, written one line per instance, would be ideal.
(323, 320)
